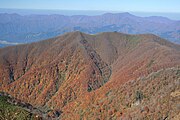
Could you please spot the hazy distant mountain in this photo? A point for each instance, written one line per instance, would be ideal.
(30, 28)
(95, 77)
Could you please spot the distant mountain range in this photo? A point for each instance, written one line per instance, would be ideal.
(29, 28)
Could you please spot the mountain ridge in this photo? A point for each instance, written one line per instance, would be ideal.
(30, 28)
(79, 75)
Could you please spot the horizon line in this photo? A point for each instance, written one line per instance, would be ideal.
(88, 10)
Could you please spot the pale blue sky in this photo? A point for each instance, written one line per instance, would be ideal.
(107, 5)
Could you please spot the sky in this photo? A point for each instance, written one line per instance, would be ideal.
(165, 6)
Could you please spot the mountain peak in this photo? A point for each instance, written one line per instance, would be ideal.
(120, 14)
